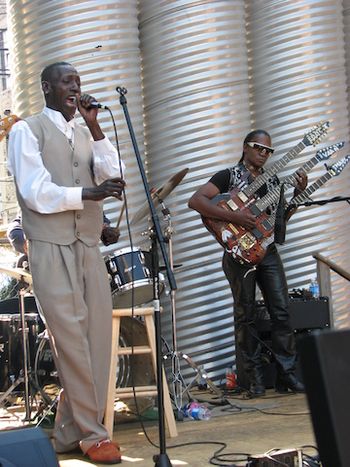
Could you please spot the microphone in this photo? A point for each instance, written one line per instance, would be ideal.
(97, 105)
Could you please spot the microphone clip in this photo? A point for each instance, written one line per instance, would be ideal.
(120, 90)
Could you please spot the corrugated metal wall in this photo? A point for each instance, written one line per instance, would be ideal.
(211, 71)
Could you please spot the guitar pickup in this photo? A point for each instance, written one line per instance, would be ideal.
(242, 197)
(258, 235)
(266, 224)
(255, 210)
(232, 205)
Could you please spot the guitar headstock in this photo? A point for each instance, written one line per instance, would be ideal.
(316, 134)
(6, 124)
(325, 153)
(339, 166)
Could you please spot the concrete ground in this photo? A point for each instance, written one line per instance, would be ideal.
(243, 427)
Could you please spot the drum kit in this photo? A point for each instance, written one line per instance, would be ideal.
(27, 368)
(26, 360)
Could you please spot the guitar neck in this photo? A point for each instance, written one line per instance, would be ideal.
(304, 196)
(304, 168)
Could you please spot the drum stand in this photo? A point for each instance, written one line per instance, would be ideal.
(25, 374)
(179, 387)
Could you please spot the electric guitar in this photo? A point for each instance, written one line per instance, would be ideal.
(241, 197)
(6, 124)
(249, 246)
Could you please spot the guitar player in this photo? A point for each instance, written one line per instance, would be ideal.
(243, 277)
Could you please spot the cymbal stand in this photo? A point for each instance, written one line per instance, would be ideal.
(179, 386)
(177, 380)
(25, 374)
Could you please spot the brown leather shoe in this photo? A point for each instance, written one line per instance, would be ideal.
(104, 452)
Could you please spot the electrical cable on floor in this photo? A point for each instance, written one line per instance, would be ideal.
(282, 413)
(217, 454)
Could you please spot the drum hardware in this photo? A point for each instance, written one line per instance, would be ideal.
(21, 274)
(25, 375)
(159, 195)
(178, 385)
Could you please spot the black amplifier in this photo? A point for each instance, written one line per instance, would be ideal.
(305, 314)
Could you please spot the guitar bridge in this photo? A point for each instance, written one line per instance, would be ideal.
(247, 241)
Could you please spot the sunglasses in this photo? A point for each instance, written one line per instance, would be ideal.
(261, 147)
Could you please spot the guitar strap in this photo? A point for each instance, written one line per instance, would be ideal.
(280, 223)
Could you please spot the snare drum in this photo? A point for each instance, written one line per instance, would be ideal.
(11, 349)
(131, 277)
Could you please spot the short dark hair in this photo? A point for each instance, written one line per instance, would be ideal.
(48, 71)
(250, 136)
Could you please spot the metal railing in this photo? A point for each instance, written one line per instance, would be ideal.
(324, 268)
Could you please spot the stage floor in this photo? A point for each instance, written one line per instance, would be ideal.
(248, 426)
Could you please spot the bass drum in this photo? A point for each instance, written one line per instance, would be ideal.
(132, 369)
(11, 345)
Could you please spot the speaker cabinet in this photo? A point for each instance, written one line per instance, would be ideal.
(325, 364)
(26, 447)
(305, 316)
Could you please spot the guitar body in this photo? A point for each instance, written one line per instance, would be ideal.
(6, 125)
(245, 246)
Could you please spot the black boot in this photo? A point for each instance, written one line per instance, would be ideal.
(288, 382)
(250, 350)
(256, 378)
(285, 354)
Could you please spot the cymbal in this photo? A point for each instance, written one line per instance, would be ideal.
(17, 273)
(160, 194)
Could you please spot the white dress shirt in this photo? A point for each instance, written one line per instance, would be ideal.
(33, 180)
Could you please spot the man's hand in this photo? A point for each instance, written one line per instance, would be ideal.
(301, 182)
(244, 218)
(113, 187)
(110, 235)
(89, 114)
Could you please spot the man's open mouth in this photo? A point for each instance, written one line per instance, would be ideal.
(72, 100)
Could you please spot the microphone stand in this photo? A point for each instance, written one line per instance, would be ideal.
(321, 202)
(161, 460)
